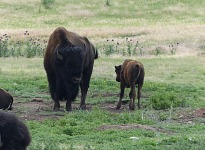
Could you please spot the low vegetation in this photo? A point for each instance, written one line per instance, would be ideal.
(166, 114)
(166, 36)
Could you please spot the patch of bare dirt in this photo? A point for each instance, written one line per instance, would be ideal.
(39, 109)
(190, 117)
(199, 113)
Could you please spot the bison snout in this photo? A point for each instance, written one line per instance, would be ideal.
(76, 80)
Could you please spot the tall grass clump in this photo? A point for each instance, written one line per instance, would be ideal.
(47, 3)
(107, 3)
(173, 48)
(4, 48)
(128, 47)
(165, 100)
(27, 47)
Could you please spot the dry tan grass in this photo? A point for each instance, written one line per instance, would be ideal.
(190, 36)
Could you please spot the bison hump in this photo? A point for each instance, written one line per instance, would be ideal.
(62, 35)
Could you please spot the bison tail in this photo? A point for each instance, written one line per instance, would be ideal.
(10, 105)
(139, 68)
(96, 54)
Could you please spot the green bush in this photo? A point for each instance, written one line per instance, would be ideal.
(27, 47)
(165, 100)
(47, 3)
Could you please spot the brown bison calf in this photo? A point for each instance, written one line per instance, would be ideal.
(6, 100)
(14, 134)
(130, 73)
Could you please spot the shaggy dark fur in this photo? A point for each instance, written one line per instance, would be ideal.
(130, 74)
(6, 100)
(68, 62)
(14, 134)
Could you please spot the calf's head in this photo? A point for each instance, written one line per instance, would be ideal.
(118, 71)
(69, 62)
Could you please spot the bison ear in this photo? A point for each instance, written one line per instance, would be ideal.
(118, 67)
(58, 54)
(68, 43)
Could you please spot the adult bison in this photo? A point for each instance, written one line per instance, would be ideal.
(68, 62)
(14, 134)
(6, 100)
(130, 74)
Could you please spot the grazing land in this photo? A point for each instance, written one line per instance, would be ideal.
(167, 37)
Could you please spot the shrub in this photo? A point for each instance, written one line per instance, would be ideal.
(28, 47)
(165, 100)
(107, 3)
(47, 3)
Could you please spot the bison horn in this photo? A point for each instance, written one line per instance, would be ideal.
(1, 144)
(59, 56)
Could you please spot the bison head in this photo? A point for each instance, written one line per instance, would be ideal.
(69, 62)
(118, 71)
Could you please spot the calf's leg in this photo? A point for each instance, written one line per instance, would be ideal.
(122, 89)
(132, 96)
(139, 95)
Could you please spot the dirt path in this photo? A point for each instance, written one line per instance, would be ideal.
(38, 109)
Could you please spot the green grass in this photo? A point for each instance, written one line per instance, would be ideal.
(25, 78)
(97, 14)
(174, 80)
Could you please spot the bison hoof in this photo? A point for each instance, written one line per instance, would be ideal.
(69, 109)
(11, 108)
(56, 109)
(118, 106)
(132, 107)
(83, 107)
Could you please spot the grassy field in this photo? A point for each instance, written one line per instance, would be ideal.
(173, 95)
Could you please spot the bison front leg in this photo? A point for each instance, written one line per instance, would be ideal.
(56, 102)
(122, 89)
(71, 96)
(84, 90)
(132, 96)
(68, 105)
(84, 85)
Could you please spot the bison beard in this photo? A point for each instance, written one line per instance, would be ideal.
(14, 134)
(68, 62)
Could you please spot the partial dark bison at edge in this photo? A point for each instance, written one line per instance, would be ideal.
(68, 62)
(14, 134)
(6, 100)
(130, 74)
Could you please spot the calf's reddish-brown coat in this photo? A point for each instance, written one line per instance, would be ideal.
(6, 100)
(130, 74)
